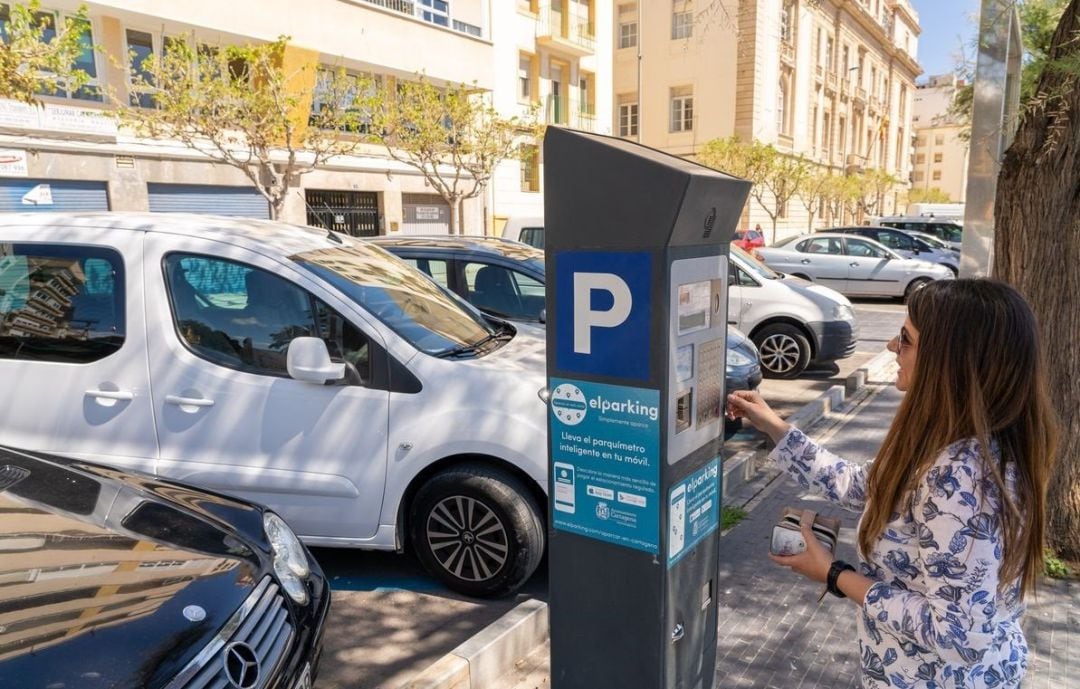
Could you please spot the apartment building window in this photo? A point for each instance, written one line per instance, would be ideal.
(817, 46)
(628, 30)
(841, 136)
(903, 102)
(530, 168)
(682, 109)
(435, 11)
(813, 128)
(937, 175)
(787, 22)
(526, 78)
(682, 20)
(920, 142)
(628, 117)
(920, 158)
(783, 105)
(939, 140)
(845, 63)
(938, 157)
(919, 175)
(356, 117)
(826, 129)
(140, 45)
(86, 60)
(828, 54)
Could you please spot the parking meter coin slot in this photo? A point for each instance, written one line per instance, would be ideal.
(684, 410)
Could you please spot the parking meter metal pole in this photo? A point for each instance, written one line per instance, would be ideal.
(637, 241)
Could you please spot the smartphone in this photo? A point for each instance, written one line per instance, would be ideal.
(789, 541)
(565, 498)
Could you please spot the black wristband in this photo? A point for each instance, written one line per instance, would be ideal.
(834, 574)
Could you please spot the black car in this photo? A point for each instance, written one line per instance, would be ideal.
(506, 279)
(114, 579)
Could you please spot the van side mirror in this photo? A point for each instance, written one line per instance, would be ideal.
(308, 360)
(543, 315)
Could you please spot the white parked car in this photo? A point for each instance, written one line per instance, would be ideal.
(526, 230)
(854, 266)
(908, 244)
(314, 373)
(793, 322)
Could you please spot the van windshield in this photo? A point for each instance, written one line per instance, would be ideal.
(753, 265)
(403, 298)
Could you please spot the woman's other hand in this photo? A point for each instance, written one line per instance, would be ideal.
(749, 405)
(814, 562)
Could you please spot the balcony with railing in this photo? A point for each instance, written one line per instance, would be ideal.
(830, 81)
(411, 8)
(585, 119)
(787, 53)
(860, 96)
(819, 72)
(566, 32)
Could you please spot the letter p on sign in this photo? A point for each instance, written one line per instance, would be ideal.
(585, 318)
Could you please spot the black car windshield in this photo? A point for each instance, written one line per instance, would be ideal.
(755, 266)
(403, 298)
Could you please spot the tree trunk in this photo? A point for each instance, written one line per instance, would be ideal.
(1037, 249)
(455, 218)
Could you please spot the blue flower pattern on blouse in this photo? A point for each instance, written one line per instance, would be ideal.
(934, 618)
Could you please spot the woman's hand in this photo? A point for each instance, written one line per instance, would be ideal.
(749, 405)
(814, 562)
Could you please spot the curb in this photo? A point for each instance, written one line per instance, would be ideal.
(483, 659)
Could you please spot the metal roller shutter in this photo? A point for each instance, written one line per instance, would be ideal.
(21, 195)
(425, 214)
(244, 202)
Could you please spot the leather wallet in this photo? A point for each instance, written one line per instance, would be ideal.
(787, 536)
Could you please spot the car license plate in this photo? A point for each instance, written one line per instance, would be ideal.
(305, 678)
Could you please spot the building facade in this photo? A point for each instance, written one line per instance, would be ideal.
(941, 149)
(551, 61)
(829, 80)
(70, 155)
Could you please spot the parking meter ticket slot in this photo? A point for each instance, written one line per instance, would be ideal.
(607, 439)
(693, 510)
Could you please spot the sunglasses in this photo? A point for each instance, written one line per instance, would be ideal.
(903, 340)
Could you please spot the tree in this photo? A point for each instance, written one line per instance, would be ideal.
(240, 105)
(38, 57)
(875, 184)
(931, 195)
(1037, 249)
(453, 136)
(813, 194)
(839, 194)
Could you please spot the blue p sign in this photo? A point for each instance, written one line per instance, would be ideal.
(602, 313)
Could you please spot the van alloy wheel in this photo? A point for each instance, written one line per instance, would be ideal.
(468, 539)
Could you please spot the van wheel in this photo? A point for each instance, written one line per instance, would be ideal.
(913, 287)
(477, 529)
(784, 350)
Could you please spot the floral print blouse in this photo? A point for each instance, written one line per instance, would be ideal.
(934, 618)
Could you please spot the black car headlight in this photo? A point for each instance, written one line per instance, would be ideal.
(290, 560)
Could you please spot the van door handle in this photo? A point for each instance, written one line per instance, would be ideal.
(854, 265)
(188, 401)
(122, 395)
(805, 261)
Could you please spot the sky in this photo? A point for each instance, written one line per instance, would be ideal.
(947, 26)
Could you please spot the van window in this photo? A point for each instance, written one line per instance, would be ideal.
(243, 317)
(533, 236)
(60, 303)
(503, 292)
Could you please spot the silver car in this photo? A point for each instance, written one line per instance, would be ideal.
(907, 244)
(851, 265)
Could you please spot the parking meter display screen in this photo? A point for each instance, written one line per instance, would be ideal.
(605, 445)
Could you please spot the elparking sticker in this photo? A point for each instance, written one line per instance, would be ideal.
(605, 443)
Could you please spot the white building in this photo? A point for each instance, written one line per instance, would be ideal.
(941, 149)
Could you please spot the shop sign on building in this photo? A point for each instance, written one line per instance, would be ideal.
(12, 162)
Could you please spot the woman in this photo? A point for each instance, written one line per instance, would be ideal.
(951, 533)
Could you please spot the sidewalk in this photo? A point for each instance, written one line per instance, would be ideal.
(773, 632)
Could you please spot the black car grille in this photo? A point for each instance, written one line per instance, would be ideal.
(259, 631)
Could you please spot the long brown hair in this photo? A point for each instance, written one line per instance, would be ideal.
(978, 374)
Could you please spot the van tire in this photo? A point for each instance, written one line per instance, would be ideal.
(784, 350)
(477, 529)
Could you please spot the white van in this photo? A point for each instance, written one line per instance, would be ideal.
(792, 321)
(314, 373)
(526, 230)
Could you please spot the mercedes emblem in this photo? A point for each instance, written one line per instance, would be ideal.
(241, 665)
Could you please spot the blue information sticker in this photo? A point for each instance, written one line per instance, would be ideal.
(605, 450)
(693, 510)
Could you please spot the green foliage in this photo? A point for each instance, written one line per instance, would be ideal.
(931, 195)
(1054, 567)
(452, 135)
(239, 105)
(730, 516)
(37, 57)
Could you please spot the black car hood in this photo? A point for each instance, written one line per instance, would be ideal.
(106, 583)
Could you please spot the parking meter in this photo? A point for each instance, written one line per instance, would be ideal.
(637, 242)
